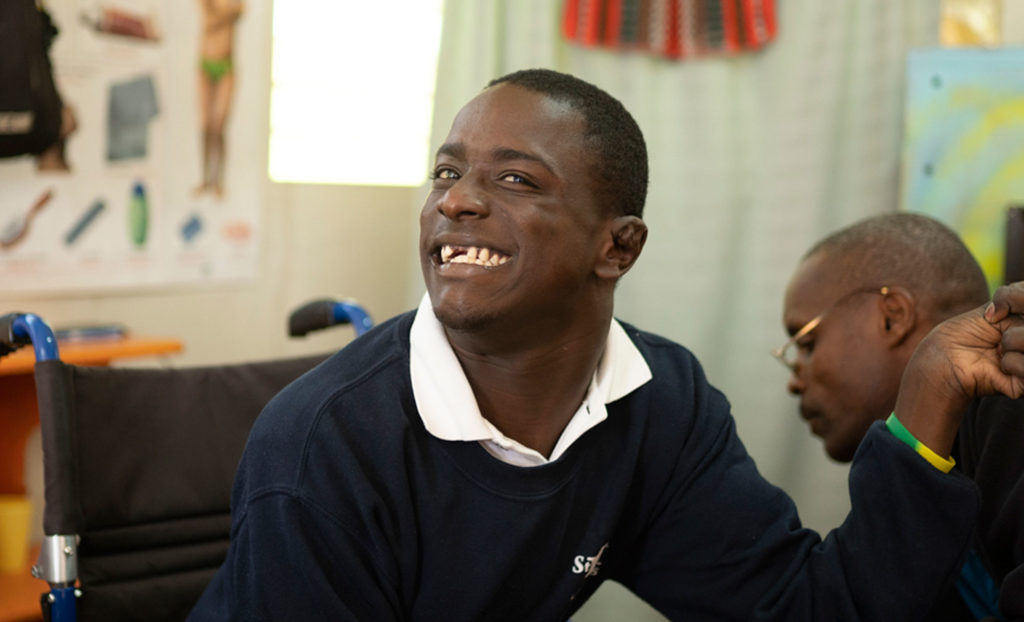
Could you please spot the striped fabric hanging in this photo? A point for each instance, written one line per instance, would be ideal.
(671, 28)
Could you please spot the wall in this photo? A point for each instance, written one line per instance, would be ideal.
(320, 241)
(1013, 22)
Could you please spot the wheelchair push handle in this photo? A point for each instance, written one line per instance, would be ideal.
(20, 329)
(323, 313)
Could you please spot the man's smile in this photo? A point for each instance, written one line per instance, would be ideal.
(475, 255)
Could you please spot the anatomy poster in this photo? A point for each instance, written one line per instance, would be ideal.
(157, 176)
(963, 153)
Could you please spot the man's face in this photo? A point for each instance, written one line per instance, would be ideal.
(511, 229)
(845, 376)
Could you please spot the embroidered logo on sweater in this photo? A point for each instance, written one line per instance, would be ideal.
(588, 565)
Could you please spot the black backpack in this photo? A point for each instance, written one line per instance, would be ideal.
(30, 108)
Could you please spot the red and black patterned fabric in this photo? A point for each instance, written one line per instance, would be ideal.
(672, 28)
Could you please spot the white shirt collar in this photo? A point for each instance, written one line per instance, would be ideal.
(449, 409)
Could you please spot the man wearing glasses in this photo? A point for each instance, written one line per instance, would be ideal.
(860, 302)
(856, 308)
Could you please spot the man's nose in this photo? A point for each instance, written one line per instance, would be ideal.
(796, 384)
(464, 199)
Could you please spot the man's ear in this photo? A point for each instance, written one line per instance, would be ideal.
(622, 247)
(899, 315)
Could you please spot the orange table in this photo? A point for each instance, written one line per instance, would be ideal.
(19, 593)
(19, 415)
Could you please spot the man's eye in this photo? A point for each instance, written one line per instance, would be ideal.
(805, 345)
(444, 173)
(516, 178)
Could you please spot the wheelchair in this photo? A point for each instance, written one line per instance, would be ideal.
(138, 467)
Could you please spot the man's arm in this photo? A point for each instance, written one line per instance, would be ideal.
(977, 353)
(727, 545)
(291, 560)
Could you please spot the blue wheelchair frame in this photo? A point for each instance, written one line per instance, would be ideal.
(58, 557)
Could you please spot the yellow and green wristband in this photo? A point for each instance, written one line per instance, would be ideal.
(896, 427)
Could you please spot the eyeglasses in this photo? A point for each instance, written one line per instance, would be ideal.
(787, 353)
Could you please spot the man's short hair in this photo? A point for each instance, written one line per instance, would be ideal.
(910, 250)
(620, 165)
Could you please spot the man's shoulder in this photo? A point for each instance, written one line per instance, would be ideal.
(989, 434)
(661, 352)
(365, 356)
(355, 398)
(678, 396)
(374, 364)
(992, 419)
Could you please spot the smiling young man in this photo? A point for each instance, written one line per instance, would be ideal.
(502, 450)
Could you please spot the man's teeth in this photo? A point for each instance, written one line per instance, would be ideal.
(472, 254)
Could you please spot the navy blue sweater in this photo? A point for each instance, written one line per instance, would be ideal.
(345, 507)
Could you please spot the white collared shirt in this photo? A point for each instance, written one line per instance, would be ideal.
(449, 409)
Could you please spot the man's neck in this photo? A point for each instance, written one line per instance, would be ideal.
(530, 394)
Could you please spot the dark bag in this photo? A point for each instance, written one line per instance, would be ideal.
(30, 108)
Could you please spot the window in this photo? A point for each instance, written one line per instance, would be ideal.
(352, 89)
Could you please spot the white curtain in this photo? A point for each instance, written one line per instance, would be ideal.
(753, 158)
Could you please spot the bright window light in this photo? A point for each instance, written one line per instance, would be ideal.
(352, 91)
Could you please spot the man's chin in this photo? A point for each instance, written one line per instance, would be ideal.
(463, 320)
(839, 453)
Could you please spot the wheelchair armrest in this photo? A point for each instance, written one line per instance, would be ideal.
(19, 329)
(323, 313)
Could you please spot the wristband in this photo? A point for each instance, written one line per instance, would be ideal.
(896, 427)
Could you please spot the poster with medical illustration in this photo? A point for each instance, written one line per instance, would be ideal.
(156, 177)
(963, 152)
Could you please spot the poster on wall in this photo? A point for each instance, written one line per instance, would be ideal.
(156, 178)
(963, 150)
